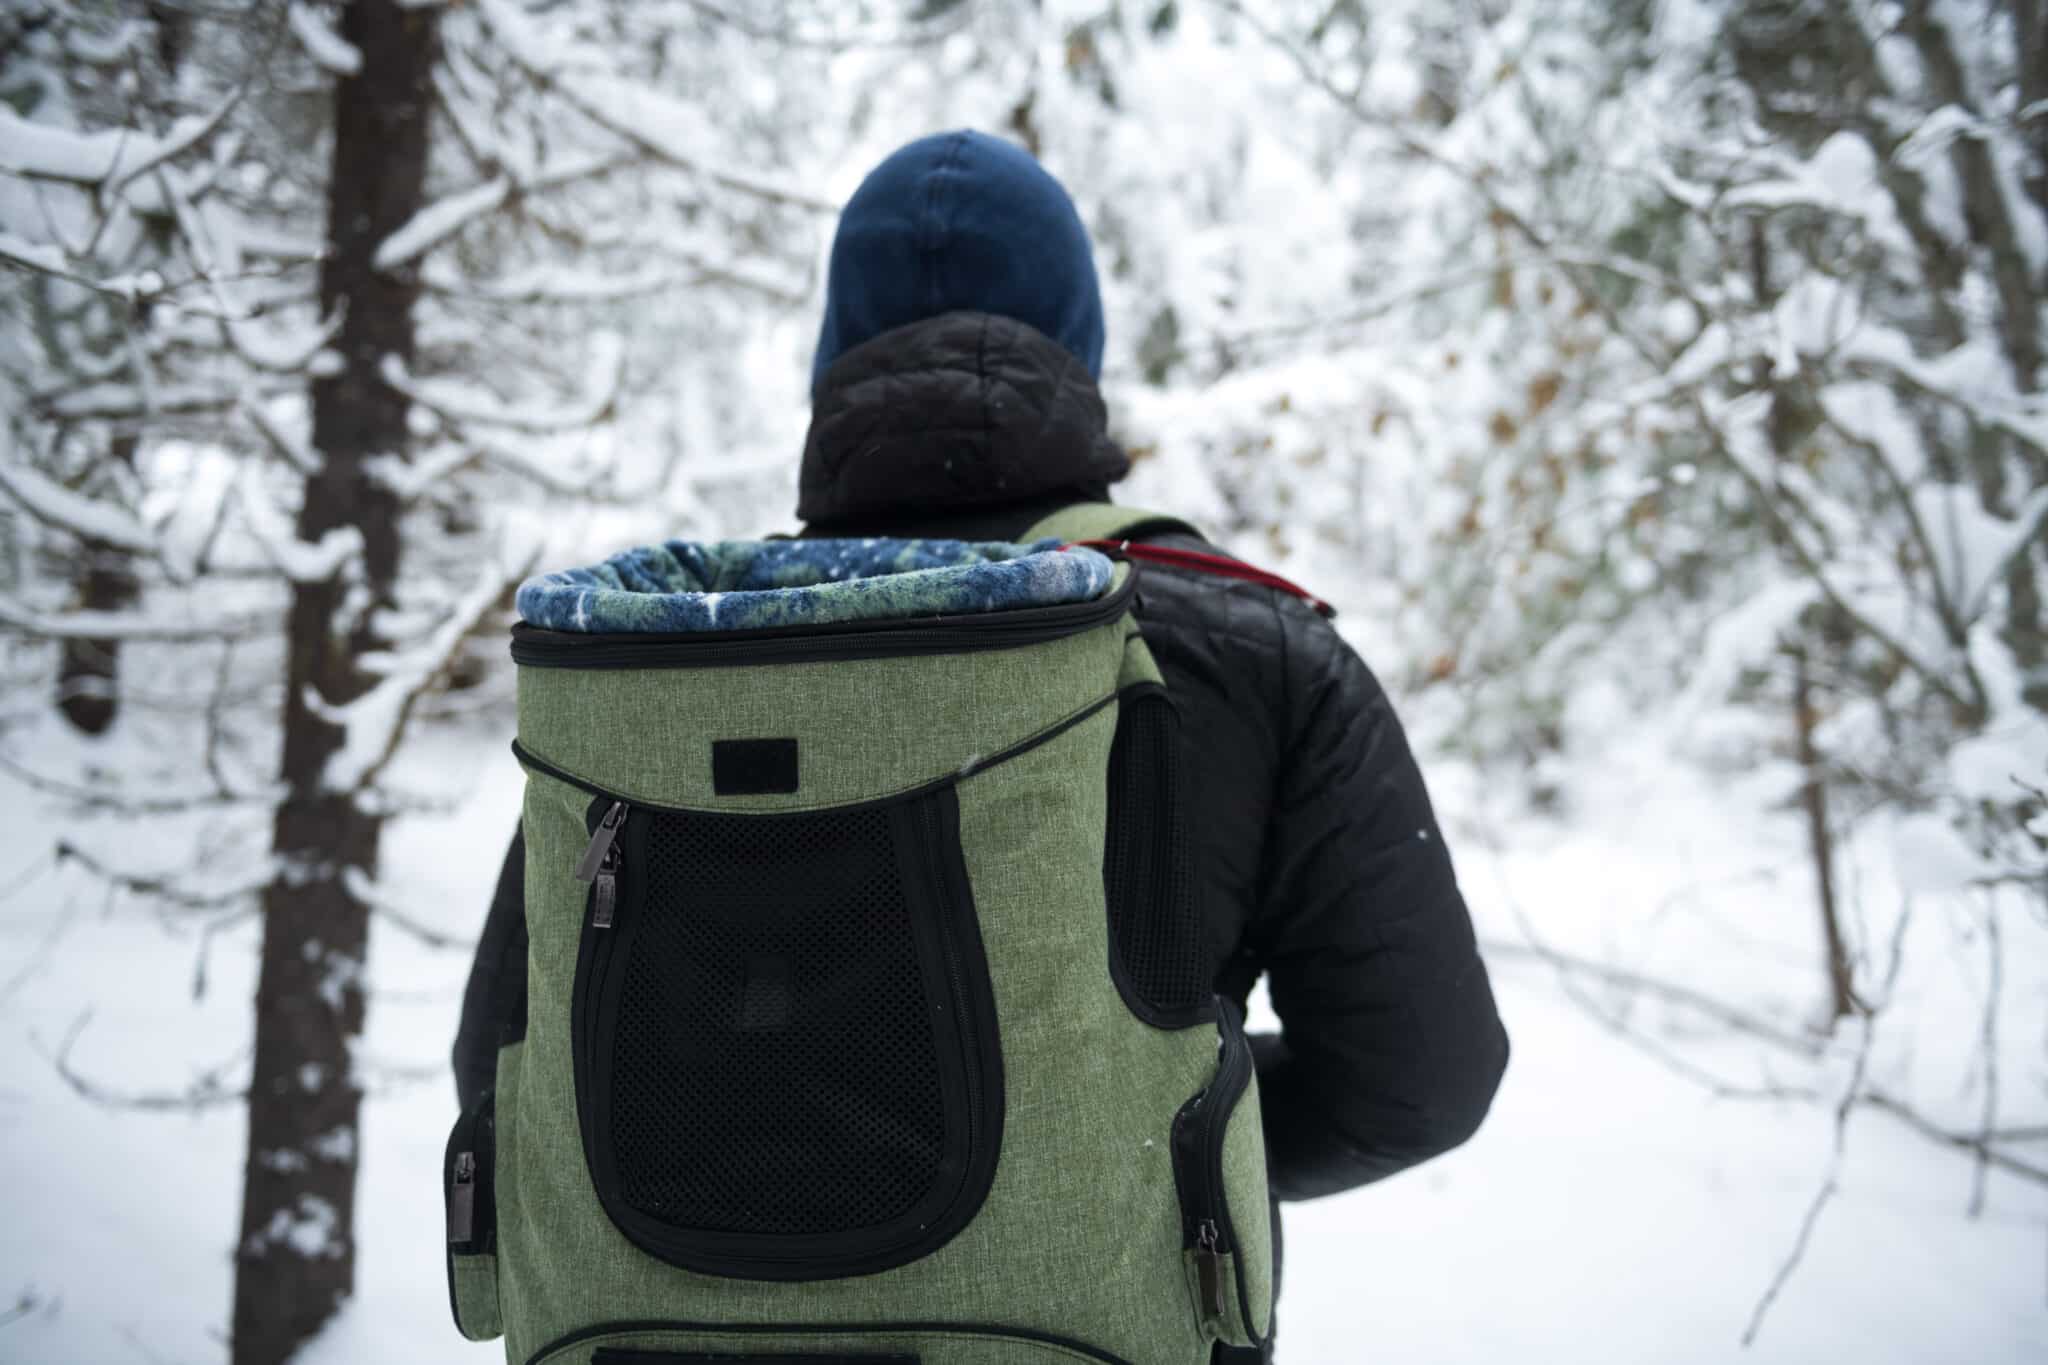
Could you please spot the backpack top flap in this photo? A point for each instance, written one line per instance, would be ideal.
(790, 675)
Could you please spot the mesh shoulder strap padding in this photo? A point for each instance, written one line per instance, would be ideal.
(1105, 521)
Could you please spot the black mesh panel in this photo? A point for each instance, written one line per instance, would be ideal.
(1153, 927)
(774, 1069)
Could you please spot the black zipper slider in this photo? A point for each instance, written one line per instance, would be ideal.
(1209, 1268)
(599, 852)
(462, 1200)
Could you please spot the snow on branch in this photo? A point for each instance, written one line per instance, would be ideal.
(277, 350)
(46, 259)
(38, 151)
(660, 124)
(328, 49)
(299, 560)
(556, 284)
(374, 723)
(183, 135)
(439, 221)
(1972, 546)
(408, 480)
(1971, 377)
(1841, 177)
(87, 518)
(602, 377)
(129, 625)
(1735, 430)
(116, 400)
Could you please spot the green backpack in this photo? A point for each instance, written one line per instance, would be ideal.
(866, 1016)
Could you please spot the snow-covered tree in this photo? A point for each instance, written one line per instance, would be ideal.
(322, 298)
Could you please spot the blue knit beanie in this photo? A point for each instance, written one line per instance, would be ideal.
(960, 222)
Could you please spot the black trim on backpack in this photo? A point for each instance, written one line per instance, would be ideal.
(964, 633)
(629, 1057)
(614, 1355)
(991, 1331)
(1156, 955)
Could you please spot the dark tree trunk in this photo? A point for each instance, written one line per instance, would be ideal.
(295, 1261)
(89, 671)
(1821, 842)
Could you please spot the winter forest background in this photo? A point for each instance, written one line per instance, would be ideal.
(1656, 386)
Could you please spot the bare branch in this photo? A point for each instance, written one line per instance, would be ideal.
(1850, 1097)
(209, 1089)
(89, 798)
(25, 1303)
(45, 259)
(1719, 1012)
(1983, 1146)
(367, 892)
(161, 888)
(1987, 1051)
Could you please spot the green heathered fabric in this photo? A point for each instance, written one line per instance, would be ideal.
(1095, 521)
(864, 727)
(928, 1347)
(1139, 665)
(476, 1297)
(1251, 1215)
(1090, 1090)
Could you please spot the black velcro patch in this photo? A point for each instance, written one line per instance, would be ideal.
(751, 767)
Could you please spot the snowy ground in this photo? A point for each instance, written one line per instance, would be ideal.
(1610, 1210)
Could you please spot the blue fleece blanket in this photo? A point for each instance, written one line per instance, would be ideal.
(684, 585)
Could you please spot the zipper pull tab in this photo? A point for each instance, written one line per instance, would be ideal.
(600, 848)
(462, 1200)
(605, 901)
(1209, 1268)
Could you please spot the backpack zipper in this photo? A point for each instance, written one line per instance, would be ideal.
(462, 1200)
(960, 634)
(600, 865)
(469, 1182)
(1199, 1131)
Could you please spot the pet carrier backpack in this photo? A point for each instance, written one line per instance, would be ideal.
(866, 1012)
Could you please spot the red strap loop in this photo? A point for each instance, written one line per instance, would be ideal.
(1197, 562)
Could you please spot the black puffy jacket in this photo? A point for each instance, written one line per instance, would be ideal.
(1318, 860)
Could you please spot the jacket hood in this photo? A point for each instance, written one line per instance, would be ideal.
(960, 222)
(954, 414)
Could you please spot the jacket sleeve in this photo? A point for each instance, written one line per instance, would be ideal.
(494, 1002)
(1391, 1048)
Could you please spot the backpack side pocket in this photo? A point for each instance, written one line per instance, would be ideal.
(1219, 1174)
(1155, 939)
(469, 1193)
